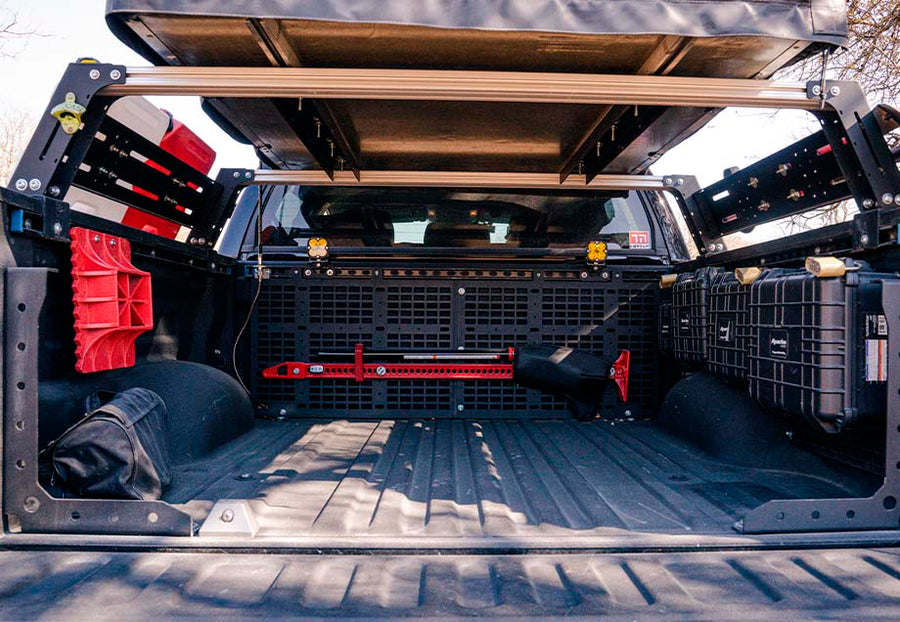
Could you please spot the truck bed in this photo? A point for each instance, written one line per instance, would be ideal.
(506, 479)
(726, 585)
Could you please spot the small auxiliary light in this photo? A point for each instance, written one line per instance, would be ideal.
(317, 248)
(596, 252)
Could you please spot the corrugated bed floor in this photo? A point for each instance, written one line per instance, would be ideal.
(860, 584)
(479, 478)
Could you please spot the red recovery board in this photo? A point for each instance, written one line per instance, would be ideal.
(361, 371)
(113, 301)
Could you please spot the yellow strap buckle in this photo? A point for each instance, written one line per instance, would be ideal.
(68, 114)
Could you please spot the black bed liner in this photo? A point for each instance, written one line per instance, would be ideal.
(730, 585)
(735, 39)
(510, 480)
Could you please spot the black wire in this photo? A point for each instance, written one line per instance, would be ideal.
(259, 280)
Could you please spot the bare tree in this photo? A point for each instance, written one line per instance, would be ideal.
(13, 34)
(872, 59)
(16, 127)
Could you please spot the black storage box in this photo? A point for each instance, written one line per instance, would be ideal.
(818, 346)
(690, 315)
(666, 329)
(729, 325)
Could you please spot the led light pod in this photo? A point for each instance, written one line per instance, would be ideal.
(596, 252)
(317, 248)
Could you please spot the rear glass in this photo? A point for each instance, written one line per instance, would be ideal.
(416, 217)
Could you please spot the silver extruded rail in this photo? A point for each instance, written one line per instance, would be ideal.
(463, 179)
(441, 85)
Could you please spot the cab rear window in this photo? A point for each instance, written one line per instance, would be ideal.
(414, 217)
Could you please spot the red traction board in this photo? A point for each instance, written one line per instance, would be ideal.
(113, 301)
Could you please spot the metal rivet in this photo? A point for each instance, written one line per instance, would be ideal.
(96, 238)
(679, 182)
(35, 184)
(817, 90)
(115, 74)
(32, 505)
(667, 181)
(94, 74)
(282, 412)
(461, 291)
(329, 272)
(112, 242)
(54, 191)
(152, 517)
(868, 203)
(381, 370)
(887, 198)
(227, 516)
(248, 174)
(21, 185)
(57, 228)
(460, 407)
(236, 174)
(307, 272)
(835, 91)
(864, 239)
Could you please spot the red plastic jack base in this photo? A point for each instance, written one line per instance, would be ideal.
(113, 301)
(619, 374)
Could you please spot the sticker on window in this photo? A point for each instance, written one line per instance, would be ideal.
(639, 239)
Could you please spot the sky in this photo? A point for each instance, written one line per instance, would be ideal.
(734, 138)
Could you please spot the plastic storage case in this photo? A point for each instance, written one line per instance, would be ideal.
(690, 315)
(818, 346)
(666, 329)
(728, 337)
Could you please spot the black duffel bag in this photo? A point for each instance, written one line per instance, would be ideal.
(118, 450)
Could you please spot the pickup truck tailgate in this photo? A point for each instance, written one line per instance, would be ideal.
(794, 584)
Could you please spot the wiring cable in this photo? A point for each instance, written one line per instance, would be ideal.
(259, 281)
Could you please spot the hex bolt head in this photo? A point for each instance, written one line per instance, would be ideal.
(21, 185)
(35, 184)
(57, 228)
(94, 74)
(329, 272)
(584, 275)
(307, 272)
(115, 74)
(54, 191)
(667, 181)
(868, 203)
(248, 174)
(227, 516)
(381, 370)
(604, 276)
(236, 175)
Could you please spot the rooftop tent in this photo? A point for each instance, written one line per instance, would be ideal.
(729, 39)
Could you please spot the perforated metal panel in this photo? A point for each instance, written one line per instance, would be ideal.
(440, 309)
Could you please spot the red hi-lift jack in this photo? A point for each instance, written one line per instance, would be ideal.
(504, 368)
